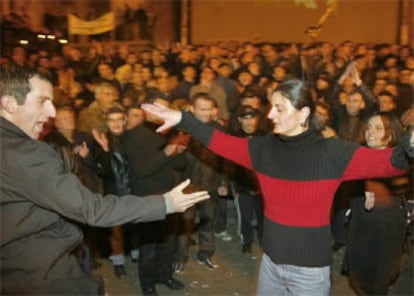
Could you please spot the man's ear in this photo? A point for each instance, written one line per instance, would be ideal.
(191, 109)
(9, 104)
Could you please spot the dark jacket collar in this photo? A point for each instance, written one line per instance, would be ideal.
(9, 127)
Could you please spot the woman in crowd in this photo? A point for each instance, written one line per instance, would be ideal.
(378, 223)
(298, 172)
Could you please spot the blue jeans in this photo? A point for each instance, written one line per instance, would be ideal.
(282, 279)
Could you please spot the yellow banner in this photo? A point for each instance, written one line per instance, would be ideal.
(100, 25)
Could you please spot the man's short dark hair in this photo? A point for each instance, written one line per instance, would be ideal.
(15, 82)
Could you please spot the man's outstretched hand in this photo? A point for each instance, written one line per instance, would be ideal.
(170, 116)
(182, 201)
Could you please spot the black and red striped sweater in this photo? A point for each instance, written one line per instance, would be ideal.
(298, 176)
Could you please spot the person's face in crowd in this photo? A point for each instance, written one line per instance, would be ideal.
(225, 70)
(136, 116)
(189, 73)
(37, 109)
(105, 71)
(145, 56)
(381, 74)
(254, 68)
(343, 98)
(409, 63)
(137, 78)
(322, 114)
(131, 59)
(279, 73)
(163, 84)
(354, 104)
(322, 84)
(57, 62)
(348, 84)
(371, 55)
(207, 75)
(160, 72)
(392, 88)
(44, 63)
(405, 76)
(203, 110)
(127, 100)
(285, 118)
(214, 63)
(154, 118)
(375, 134)
(116, 123)
(393, 73)
(391, 62)
(253, 102)
(361, 64)
(386, 103)
(157, 57)
(65, 120)
(326, 48)
(137, 67)
(249, 123)
(146, 73)
(106, 97)
(185, 55)
(245, 78)
(172, 81)
(19, 55)
(379, 85)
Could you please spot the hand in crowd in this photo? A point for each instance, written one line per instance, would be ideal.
(182, 201)
(369, 200)
(170, 116)
(352, 71)
(101, 139)
(82, 150)
(174, 149)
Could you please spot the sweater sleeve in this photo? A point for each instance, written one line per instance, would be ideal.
(230, 147)
(371, 163)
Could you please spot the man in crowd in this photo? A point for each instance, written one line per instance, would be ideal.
(37, 195)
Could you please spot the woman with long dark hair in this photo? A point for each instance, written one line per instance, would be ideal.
(299, 173)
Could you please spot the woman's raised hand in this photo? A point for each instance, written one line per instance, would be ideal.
(170, 116)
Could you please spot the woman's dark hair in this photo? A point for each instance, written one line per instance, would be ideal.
(298, 93)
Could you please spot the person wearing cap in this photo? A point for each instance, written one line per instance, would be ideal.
(247, 122)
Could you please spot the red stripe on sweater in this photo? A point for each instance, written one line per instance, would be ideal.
(371, 163)
(298, 203)
(233, 148)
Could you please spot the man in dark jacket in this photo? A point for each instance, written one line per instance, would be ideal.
(155, 165)
(112, 167)
(36, 193)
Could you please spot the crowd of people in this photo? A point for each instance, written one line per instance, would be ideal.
(279, 128)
